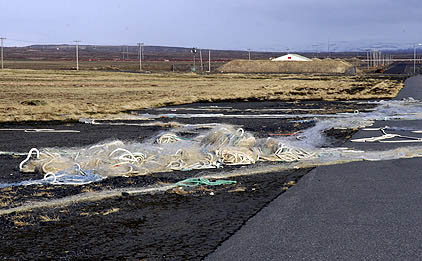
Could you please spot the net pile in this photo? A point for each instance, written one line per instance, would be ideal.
(216, 147)
(167, 152)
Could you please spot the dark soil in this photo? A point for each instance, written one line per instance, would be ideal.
(268, 107)
(172, 225)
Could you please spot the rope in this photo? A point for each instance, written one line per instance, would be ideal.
(289, 154)
(179, 164)
(11, 153)
(77, 176)
(386, 136)
(29, 157)
(140, 157)
(42, 130)
(193, 182)
(168, 138)
(282, 134)
(233, 157)
(214, 150)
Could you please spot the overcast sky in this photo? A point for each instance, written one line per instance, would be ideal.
(272, 25)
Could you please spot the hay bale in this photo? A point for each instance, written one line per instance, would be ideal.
(265, 66)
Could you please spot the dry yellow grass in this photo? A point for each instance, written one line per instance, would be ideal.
(5, 202)
(104, 213)
(110, 211)
(266, 66)
(71, 95)
(45, 218)
(19, 220)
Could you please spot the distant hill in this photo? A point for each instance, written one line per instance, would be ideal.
(150, 53)
(110, 52)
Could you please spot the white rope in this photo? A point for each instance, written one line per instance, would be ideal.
(42, 130)
(402, 141)
(29, 157)
(225, 155)
(51, 131)
(12, 153)
(289, 154)
(168, 138)
(50, 174)
(106, 145)
(124, 150)
(233, 157)
(386, 136)
(130, 171)
(68, 178)
(217, 148)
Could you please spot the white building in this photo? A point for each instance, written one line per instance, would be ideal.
(291, 57)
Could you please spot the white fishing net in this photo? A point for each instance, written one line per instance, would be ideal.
(215, 146)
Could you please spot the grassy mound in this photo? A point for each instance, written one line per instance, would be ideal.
(264, 66)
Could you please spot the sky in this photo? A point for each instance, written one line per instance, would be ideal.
(261, 25)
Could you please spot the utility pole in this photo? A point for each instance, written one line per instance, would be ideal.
(209, 60)
(249, 54)
(414, 57)
(2, 53)
(328, 47)
(193, 51)
(373, 59)
(140, 56)
(200, 58)
(77, 54)
(367, 58)
(377, 59)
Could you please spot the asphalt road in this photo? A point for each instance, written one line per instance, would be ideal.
(398, 68)
(357, 211)
(403, 68)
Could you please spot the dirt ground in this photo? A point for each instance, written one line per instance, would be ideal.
(182, 224)
(40, 95)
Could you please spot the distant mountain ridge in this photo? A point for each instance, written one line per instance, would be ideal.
(156, 53)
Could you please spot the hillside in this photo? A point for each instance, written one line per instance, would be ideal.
(150, 53)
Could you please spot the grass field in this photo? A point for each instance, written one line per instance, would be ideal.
(71, 95)
(118, 65)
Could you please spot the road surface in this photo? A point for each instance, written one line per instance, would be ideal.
(357, 211)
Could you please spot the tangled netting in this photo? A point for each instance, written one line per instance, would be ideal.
(215, 148)
(218, 146)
